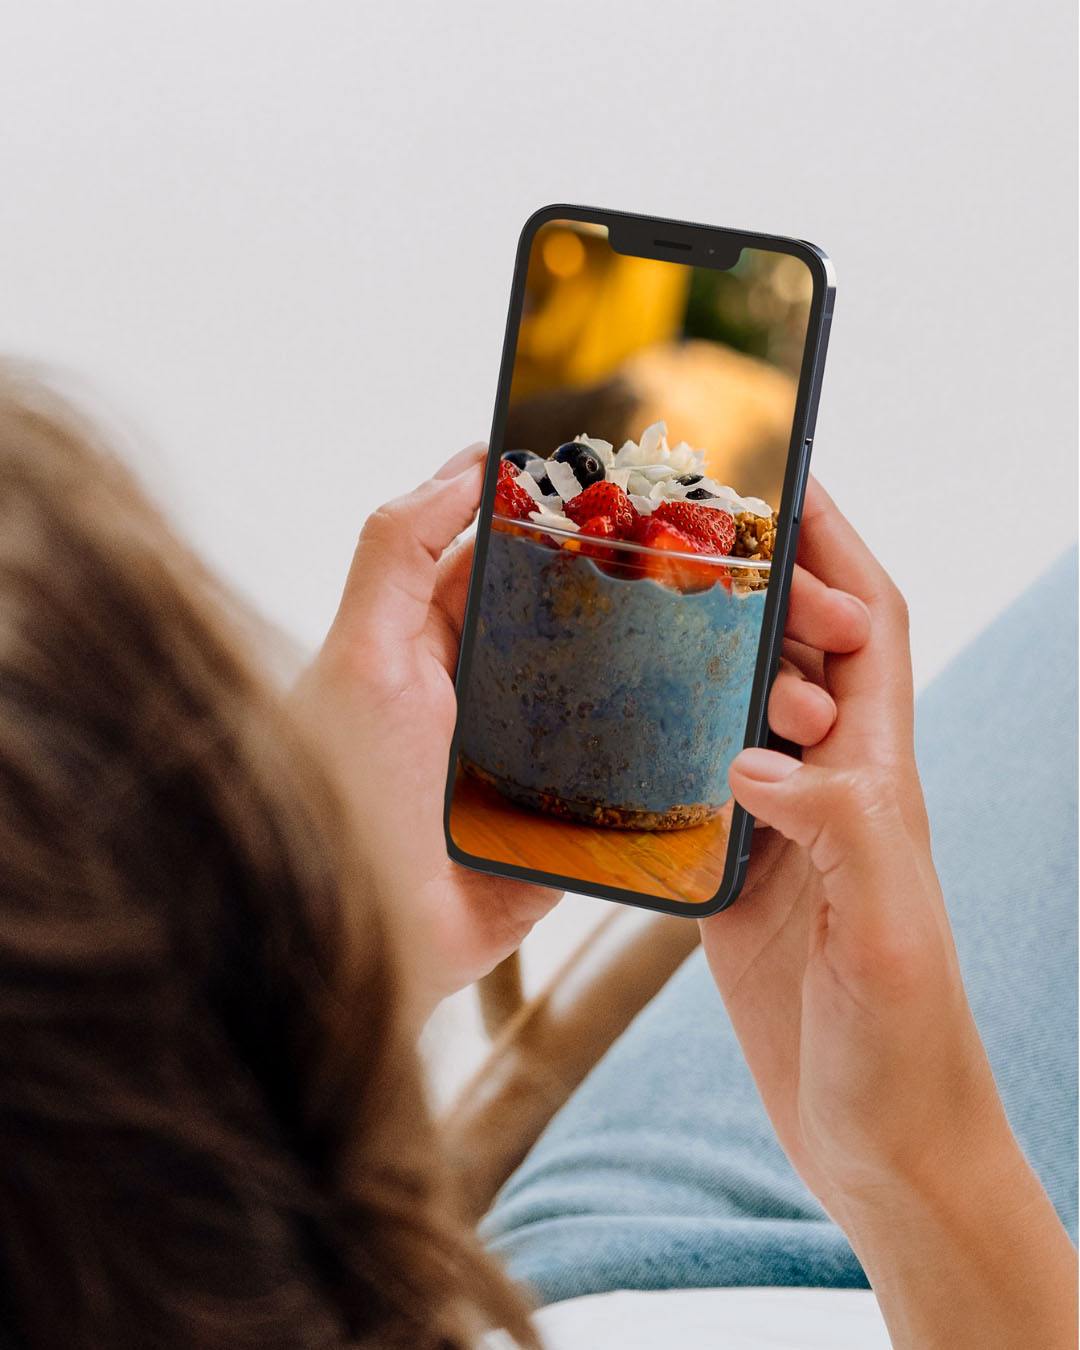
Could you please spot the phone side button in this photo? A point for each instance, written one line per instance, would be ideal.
(800, 486)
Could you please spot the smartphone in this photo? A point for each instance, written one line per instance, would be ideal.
(634, 549)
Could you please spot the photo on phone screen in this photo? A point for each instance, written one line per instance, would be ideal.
(647, 430)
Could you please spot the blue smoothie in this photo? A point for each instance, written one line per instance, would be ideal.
(607, 700)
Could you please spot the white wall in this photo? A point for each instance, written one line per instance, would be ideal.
(277, 240)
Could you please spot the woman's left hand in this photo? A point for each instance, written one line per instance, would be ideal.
(380, 698)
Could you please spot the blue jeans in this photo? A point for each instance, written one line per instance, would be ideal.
(663, 1172)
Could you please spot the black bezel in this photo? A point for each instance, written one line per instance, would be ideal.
(637, 235)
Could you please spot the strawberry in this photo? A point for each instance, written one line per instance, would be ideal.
(711, 528)
(511, 499)
(681, 574)
(598, 527)
(603, 499)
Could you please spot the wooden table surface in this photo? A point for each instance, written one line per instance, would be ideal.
(685, 865)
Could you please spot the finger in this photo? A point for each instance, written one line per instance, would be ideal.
(504, 910)
(810, 661)
(831, 550)
(452, 583)
(872, 686)
(392, 579)
(464, 459)
(799, 710)
(447, 612)
(853, 826)
(823, 617)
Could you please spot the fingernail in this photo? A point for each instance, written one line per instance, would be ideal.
(856, 603)
(464, 459)
(824, 698)
(765, 766)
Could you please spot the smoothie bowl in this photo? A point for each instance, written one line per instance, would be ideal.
(615, 649)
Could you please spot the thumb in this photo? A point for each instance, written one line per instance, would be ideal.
(849, 821)
(392, 578)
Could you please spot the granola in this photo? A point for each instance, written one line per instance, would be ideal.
(755, 539)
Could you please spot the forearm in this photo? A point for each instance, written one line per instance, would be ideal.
(979, 1258)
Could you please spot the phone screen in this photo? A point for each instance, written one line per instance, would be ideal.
(647, 430)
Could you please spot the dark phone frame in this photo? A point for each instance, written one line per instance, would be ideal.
(669, 241)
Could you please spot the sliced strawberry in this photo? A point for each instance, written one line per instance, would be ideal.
(598, 527)
(511, 499)
(603, 499)
(664, 566)
(602, 527)
(708, 525)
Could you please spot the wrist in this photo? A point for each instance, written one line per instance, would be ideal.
(936, 1155)
(939, 1185)
(966, 1251)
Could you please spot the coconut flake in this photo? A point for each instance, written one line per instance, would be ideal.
(727, 499)
(563, 479)
(636, 482)
(685, 459)
(629, 454)
(620, 477)
(552, 518)
(525, 479)
(644, 506)
(650, 476)
(653, 440)
(682, 491)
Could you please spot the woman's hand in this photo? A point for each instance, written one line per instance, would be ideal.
(380, 696)
(836, 961)
(838, 968)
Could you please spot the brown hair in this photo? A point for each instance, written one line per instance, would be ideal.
(212, 1126)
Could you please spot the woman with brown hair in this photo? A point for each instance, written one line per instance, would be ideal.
(224, 914)
(212, 1123)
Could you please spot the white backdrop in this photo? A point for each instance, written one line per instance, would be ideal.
(276, 240)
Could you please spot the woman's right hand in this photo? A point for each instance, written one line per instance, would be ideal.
(838, 969)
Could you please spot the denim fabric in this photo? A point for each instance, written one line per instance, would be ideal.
(663, 1172)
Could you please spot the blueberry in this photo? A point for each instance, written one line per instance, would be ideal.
(546, 486)
(586, 467)
(700, 494)
(686, 479)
